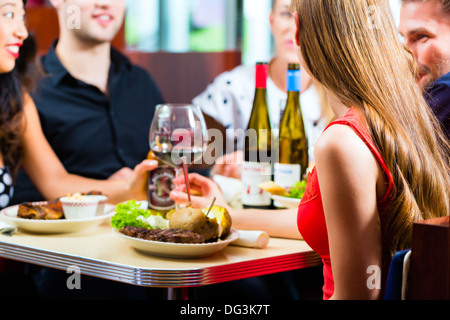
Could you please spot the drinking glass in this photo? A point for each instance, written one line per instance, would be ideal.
(178, 134)
(178, 131)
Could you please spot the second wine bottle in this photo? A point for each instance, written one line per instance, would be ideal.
(257, 166)
(293, 145)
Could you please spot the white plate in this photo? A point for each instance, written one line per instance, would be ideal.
(9, 215)
(287, 202)
(179, 250)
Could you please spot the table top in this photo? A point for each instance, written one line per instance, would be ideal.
(100, 253)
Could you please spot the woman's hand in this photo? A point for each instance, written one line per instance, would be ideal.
(137, 180)
(205, 188)
(277, 223)
(230, 165)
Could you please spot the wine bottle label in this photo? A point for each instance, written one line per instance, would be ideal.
(286, 175)
(254, 173)
(160, 184)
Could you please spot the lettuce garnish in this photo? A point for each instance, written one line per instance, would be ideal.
(297, 190)
(134, 215)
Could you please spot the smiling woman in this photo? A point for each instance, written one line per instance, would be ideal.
(13, 31)
(16, 74)
(21, 138)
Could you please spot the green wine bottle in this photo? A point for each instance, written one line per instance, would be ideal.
(257, 166)
(293, 145)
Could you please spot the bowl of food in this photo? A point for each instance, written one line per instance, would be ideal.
(78, 206)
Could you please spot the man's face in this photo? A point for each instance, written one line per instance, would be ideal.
(98, 20)
(426, 29)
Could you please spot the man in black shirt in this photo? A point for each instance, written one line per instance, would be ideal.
(95, 107)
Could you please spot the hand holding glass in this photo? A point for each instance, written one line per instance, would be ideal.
(178, 133)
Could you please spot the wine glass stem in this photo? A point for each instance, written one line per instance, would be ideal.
(178, 173)
(186, 180)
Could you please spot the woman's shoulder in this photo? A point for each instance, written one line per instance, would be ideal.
(344, 161)
(29, 110)
(28, 104)
(337, 139)
(341, 145)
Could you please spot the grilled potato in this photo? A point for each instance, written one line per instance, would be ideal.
(194, 220)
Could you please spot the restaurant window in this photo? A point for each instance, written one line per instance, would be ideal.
(200, 25)
(204, 25)
(183, 25)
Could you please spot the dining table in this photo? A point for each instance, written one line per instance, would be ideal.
(100, 252)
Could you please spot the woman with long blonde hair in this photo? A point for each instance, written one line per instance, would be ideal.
(380, 167)
(383, 165)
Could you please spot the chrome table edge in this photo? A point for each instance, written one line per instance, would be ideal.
(147, 277)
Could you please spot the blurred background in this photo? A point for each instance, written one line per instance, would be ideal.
(202, 26)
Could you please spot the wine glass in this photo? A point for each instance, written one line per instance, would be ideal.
(178, 135)
(178, 131)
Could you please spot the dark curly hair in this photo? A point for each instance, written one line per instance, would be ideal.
(13, 86)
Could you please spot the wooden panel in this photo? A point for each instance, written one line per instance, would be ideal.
(429, 277)
(42, 22)
(182, 76)
(35, 3)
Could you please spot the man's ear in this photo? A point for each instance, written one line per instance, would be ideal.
(297, 29)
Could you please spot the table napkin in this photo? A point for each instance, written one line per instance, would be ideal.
(252, 239)
(231, 190)
(6, 229)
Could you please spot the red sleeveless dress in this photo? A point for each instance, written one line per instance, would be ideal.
(311, 217)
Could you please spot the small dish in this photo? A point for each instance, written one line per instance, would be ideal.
(78, 206)
(287, 201)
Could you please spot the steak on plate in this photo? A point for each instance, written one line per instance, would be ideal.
(168, 235)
